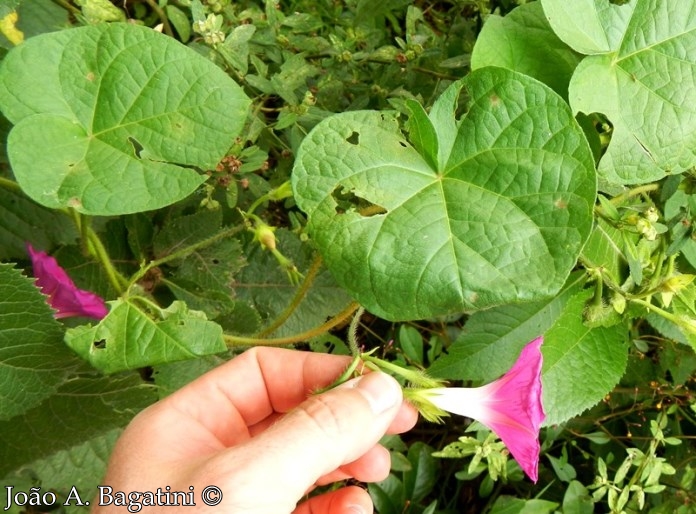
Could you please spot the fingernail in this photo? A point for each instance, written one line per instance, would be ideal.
(355, 509)
(380, 390)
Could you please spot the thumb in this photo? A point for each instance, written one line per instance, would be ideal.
(322, 434)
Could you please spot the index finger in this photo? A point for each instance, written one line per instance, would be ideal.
(253, 386)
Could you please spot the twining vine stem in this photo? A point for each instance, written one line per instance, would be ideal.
(180, 254)
(340, 318)
(296, 300)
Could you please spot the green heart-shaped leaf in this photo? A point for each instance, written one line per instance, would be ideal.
(502, 218)
(111, 119)
(641, 74)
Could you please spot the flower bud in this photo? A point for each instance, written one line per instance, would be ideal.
(265, 236)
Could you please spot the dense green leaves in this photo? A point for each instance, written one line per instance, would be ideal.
(23, 220)
(265, 286)
(641, 74)
(437, 191)
(123, 115)
(129, 338)
(501, 219)
(33, 359)
(81, 466)
(82, 408)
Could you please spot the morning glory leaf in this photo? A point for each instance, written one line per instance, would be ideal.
(589, 26)
(114, 118)
(640, 73)
(523, 41)
(501, 219)
(581, 364)
(128, 338)
(491, 340)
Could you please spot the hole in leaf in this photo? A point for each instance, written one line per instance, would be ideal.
(347, 200)
(137, 147)
(101, 344)
(403, 144)
(462, 105)
(645, 149)
(354, 138)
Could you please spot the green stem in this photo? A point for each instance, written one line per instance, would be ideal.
(667, 315)
(273, 195)
(647, 188)
(355, 350)
(180, 254)
(433, 73)
(599, 291)
(92, 245)
(417, 379)
(353, 333)
(152, 307)
(341, 317)
(657, 277)
(97, 250)
(10, 185)
(162, 16)
(649, 456)
(67, 6)
(82, 223)
(418, 69)
(296, 300)
(344, 377)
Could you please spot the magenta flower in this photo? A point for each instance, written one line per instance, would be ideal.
(511, 406)
(63, 296)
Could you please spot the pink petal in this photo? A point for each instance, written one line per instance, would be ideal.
(511, 406)
(63, 296)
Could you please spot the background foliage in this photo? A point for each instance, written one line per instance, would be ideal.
(475, 173)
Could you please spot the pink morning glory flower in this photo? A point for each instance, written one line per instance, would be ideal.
(511, 406)
(63, 296)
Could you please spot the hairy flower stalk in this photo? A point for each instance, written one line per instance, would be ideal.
(63, 295)
(511, 406)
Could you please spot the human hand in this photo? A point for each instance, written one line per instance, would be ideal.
(252, 428)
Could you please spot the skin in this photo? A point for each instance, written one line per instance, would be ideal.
(253, 428)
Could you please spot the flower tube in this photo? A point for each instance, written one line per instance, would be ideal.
(511, 406)
(63, 296)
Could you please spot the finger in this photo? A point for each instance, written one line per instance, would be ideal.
(404, 421)
(322, 434)
(347, 500)
(251, 387)
(373, 466)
